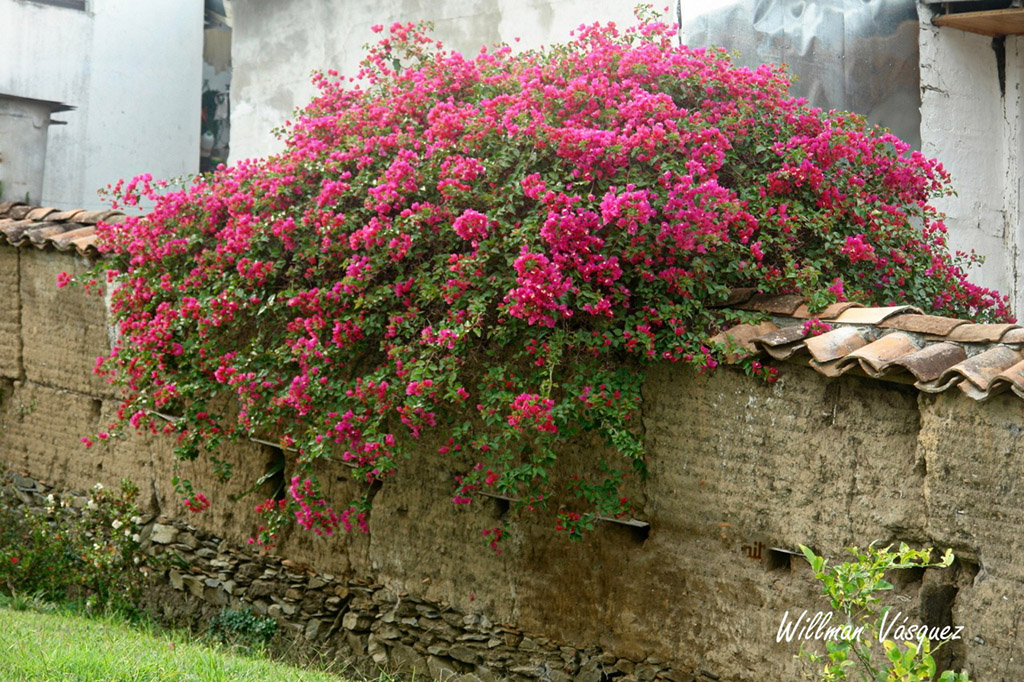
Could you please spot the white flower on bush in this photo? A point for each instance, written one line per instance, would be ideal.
(117, 523)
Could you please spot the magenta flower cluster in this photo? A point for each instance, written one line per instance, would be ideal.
(486, 252)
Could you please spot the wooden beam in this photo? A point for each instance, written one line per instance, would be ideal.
(999, 22)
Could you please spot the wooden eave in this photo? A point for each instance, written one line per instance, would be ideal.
(994, 23)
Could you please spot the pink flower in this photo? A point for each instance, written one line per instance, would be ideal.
(857, 249)
(196, 504)
(507, 221)
(533, 186)
(471, 225)
(816, 327)
(541, 286)
(530, 409)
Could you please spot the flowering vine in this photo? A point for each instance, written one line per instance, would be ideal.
(490, 250)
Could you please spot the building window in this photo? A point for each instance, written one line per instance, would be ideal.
(69, 4)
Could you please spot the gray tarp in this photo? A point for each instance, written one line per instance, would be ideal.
(858, 55)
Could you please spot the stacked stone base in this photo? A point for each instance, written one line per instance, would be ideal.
(350, 623)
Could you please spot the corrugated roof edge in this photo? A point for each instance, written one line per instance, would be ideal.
(42, 227)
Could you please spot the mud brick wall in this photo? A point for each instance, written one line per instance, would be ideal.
(61, 334)
(10, 314)
(741, 472)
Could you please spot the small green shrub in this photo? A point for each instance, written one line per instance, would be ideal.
(74, 548)
(243, 629)
(854, 590)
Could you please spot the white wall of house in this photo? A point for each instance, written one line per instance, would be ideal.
(133, 72)
(974, 127)
(277, 44)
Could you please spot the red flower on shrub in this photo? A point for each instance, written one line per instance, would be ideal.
(197, 503)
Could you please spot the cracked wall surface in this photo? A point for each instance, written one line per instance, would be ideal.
(741, 472)
(971, 106)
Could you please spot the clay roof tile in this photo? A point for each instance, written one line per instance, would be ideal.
(782, 343)
(836, 344)
(13, 230)
(871, 316)
(975, 374)
(922, 324)
(43, 227)
(6, 206)
(85, 243)
(19, 212)
(68, 240)
(741, 337)
(832, 311)
(1011, 377)
(66, 215)
(114, 218)
(931, 361)
(1014, 336)
(876, 357)
(90, 217)
(980, 333)
(39, 213)
(41, 233)
(736, 296)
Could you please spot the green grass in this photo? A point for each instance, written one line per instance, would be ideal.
(64, 646)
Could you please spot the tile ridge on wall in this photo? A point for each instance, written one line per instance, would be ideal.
(894, 343)
(45, 227)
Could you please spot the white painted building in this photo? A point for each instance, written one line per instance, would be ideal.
(971, 107)
(132, 71)
(277, 44)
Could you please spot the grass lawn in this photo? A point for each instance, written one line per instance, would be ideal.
(63, 646)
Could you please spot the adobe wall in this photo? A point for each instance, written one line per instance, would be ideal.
(735, 465)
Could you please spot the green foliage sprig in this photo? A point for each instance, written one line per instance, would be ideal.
(855, 590)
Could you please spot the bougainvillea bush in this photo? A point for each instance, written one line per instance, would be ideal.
(489, 251)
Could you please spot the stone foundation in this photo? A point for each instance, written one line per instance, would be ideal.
(351, 621)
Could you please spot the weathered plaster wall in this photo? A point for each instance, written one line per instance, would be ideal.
(734, 464)
(133, 72)
(971, 121)
(10, 315)
(274, 48)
